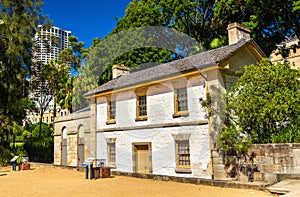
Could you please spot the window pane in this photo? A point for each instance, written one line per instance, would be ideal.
(111, 152)
(183, 153)
(112, 108)
(142, 101)
(182, 102)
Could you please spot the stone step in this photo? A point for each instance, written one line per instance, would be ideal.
(285, 187)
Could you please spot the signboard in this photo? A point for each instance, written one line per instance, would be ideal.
(88, 162)
(14, 159)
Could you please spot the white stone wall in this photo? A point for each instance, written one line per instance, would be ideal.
(160, 110)
(163, 149)
(160, 105)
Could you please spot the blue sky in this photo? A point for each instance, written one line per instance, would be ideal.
(86, 19)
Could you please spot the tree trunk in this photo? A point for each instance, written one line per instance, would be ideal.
(41, 121)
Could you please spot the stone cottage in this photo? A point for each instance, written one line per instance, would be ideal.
(152, 121)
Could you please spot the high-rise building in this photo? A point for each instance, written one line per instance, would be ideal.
(50, 42)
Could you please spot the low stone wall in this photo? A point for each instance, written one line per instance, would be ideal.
(277, 158)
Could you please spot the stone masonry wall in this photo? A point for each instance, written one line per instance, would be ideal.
(277, 158)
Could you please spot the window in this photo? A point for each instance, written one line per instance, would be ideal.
(181, 102)
(182, 155)
(111, 151)
(141, 108)
(111, 112)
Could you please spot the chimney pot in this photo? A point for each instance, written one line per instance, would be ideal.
(119, 70)
(236, 32)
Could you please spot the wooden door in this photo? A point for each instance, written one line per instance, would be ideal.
(142, 155)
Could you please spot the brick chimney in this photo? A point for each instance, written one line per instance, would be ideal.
(119, 70)
(236, 32)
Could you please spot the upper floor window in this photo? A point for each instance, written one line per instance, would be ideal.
(181, 102)
(111, 112)
(141, 108)
(141, 104)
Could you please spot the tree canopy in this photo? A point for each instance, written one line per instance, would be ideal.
(265, 100)
(19, 21)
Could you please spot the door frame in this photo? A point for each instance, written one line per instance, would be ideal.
(134, 155)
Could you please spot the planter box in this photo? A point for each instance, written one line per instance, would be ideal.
(25, 166)
(105, 172)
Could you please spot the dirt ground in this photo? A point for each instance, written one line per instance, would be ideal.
(52, 181)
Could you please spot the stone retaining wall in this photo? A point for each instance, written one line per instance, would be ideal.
(277, 158)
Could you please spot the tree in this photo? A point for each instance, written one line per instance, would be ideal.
(19, 20)
(48, 83)
(66, 95)
(270, 22)
(265, 100)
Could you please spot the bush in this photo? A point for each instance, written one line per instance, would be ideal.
(289, 134)
(5, 156)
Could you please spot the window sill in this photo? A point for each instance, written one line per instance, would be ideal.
(112, 121)
(181, 114)
(141, 118)
(183, 170)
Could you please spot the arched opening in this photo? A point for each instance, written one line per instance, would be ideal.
(80, 145)
(64, 148)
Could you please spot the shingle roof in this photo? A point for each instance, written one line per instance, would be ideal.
(194, 62)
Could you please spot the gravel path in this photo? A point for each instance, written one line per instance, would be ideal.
(52, 181)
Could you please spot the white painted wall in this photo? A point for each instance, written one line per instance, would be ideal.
(160, 109)
(163, 149)
(160, 106)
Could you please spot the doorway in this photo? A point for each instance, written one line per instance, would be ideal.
(64, 147)
(80, 145)
(142, 158)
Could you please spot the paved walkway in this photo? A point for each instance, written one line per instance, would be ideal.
(288, 188)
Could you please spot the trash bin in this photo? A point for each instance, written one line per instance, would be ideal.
(96, 172)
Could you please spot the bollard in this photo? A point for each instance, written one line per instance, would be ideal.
(91, 171)
(86, 172)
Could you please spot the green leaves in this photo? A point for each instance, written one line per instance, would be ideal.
(19, 21)
(265, 99)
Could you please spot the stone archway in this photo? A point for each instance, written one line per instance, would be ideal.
(80, 145)
(64, 146)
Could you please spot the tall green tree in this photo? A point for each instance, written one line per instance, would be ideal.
(19, 20)
(265, 100)
(270, 21)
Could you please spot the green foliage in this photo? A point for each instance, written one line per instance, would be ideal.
(235, 141)
(19, 20)
(265, 100)
(270, 21)
(39, 148)
(289, 134)
(5, 156)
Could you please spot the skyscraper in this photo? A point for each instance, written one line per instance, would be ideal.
(50, 42)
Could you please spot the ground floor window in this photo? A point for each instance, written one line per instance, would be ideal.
(111, 151)
(182, 151)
